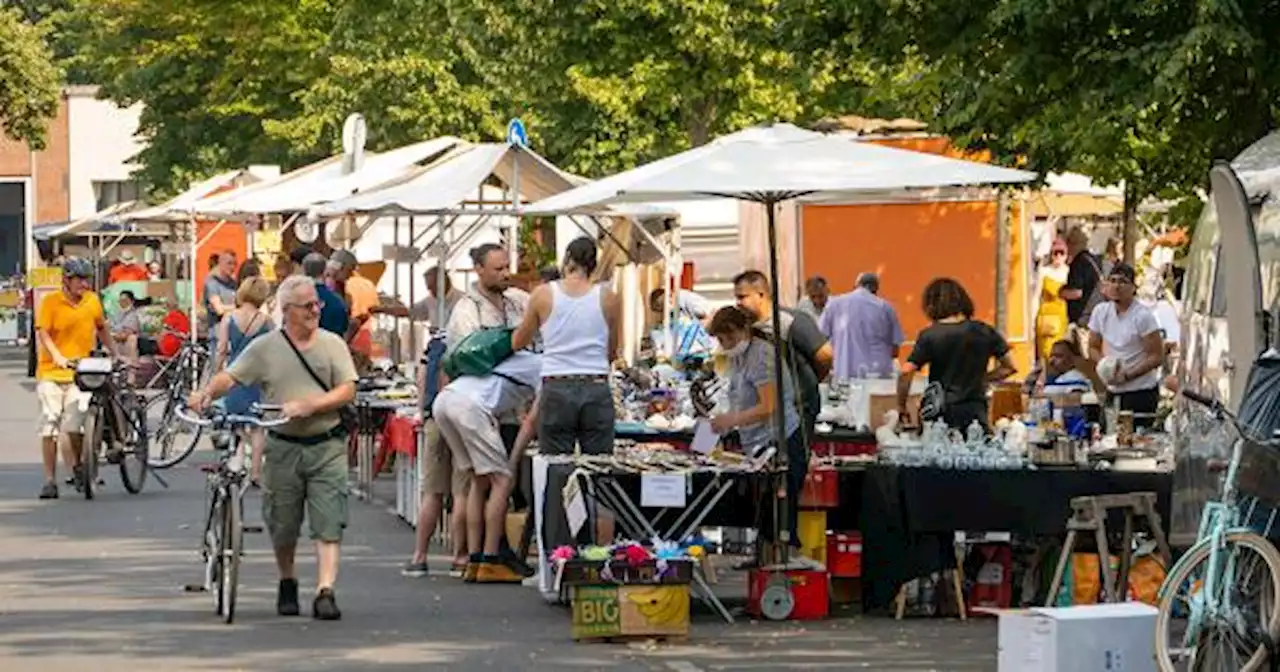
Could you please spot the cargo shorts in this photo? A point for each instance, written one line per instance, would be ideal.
(439, 477)
(308, 480)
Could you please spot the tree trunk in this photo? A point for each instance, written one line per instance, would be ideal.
(1130, 233)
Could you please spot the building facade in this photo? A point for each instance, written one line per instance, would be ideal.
(84, 167)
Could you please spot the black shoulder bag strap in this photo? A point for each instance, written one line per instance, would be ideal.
(346, 413)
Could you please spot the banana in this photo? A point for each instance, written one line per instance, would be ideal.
(676, 607)
(648, 602)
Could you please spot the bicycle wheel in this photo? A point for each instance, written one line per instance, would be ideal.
(133, 464)
(233, 534)
(89, 442)
(170, 440)
(1237, 638)
(215, 552)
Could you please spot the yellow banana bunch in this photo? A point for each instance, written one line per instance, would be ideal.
(662, 605)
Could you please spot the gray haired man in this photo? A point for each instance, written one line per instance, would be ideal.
(864, 331)
(310, 372)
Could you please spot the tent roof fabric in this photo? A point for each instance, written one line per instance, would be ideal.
(780, 162)
(302, 189)
(109, 216)
(441, 186)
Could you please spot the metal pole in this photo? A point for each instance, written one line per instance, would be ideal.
(413, 271)
(1002, 263)
(395, 284)
(779, 409)
(514, 242)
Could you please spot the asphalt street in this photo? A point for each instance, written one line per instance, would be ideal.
(100, 586)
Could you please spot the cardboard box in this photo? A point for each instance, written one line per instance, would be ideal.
(603, 611)
(1085, 638)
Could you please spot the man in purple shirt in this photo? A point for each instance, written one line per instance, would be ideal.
(864, 331)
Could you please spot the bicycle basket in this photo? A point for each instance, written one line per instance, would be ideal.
(1259, 473)
(92, 373)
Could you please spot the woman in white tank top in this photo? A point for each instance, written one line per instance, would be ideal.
(578, 321)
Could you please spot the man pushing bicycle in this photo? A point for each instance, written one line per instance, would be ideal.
(69, 325)
(310, 373)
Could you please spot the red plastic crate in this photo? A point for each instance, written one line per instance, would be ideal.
(844, 554)
(821, 489)
(809, 591)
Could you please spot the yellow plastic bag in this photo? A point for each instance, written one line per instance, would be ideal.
(1145, 578)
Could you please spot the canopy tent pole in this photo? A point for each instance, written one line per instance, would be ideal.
(513, 240)
(395, 283)
(779, 408)
(443, 254)
(413, 268)
(1002, 263)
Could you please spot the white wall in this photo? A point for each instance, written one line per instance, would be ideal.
(101, 140)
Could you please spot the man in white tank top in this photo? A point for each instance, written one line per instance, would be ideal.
(578, 321)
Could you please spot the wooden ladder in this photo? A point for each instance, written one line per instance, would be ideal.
(1089, 514)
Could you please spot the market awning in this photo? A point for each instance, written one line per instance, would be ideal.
(442, 187)
(107, 218)
(780, 162)
(307, 187)
(176, 209)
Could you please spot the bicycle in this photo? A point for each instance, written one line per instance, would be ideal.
(223, 539)
(115, 425)
(1212, 578)
(188, 369)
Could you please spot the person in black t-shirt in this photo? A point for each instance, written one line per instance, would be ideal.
(957, 349)
(1084, 278)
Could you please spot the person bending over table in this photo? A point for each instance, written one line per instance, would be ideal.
(466, 412)
(752, 399)
(958, 351)
(1066, 370)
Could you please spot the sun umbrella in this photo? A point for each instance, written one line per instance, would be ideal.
(772, 164)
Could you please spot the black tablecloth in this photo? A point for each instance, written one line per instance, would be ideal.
(909, 516)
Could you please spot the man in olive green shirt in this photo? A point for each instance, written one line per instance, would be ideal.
(305, 469)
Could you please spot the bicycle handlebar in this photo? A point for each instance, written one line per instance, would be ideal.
(1201, 399)
(233, 419)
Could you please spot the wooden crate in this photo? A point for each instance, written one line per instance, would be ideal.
(612, 611)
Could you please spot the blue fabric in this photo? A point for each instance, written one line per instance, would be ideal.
(240, 398)
(333, 316)
(432, 359)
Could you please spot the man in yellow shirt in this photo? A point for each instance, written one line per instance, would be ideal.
(362, 300)
(69, 324)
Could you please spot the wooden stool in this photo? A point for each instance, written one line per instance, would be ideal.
(1089, 514)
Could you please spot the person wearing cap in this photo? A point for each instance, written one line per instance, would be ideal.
(1051, 317)
(1128, 332)
(361, 296)
(127, 270)
(69, 325)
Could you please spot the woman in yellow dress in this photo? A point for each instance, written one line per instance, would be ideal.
(1051, 317)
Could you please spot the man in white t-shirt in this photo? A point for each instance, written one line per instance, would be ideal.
(1128, 332)
(467, 412)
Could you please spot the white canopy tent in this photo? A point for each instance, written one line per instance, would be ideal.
(303, 189)
(769, 165)
(451, 190)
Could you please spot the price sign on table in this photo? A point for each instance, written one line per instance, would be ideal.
(665, 491)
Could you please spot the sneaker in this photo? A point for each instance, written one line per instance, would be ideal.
(415, 570)
(49, 491)
(287, 598)
(467, 571)
(517, 565)
(325, 608)
(496, 572)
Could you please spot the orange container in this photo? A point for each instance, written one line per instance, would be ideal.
(821, 489)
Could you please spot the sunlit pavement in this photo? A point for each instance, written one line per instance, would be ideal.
(100, 586)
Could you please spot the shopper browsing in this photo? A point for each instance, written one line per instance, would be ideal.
(1129, 333)
(958, 351)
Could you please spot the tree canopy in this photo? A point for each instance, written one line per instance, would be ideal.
(1145, 92)
(30, 82)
